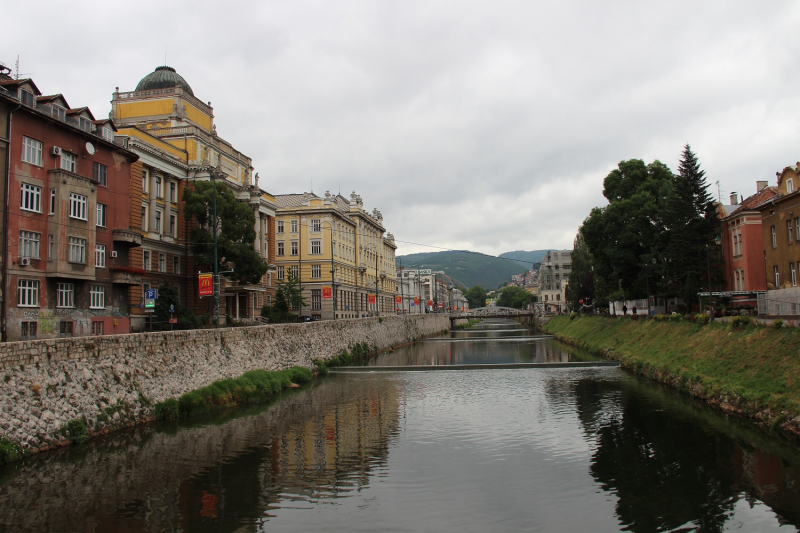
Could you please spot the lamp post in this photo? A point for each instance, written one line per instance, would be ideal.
(214, 173)
(717, 241)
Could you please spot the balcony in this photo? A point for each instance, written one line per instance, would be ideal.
(126, 275)
(126, 236)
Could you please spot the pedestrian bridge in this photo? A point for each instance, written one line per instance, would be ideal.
(491, 312)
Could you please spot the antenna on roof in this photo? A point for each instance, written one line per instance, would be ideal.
(312, 185)
(719, 193)
(16, 74)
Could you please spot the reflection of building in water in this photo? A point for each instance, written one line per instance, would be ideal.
(317, 442)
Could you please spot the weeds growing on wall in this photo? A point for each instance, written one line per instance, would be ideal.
(9, 451)
(78, 430)
(256, 386)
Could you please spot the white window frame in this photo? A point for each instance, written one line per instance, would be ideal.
(789, 186)
(32, 151)
(100, 173)
(176, 264)
(316, 225)
(51, 245)
(294, 226)
(173, 225)
(59, 112)
(281, 272)
(159, 186)
(107, 133)
(295, 248)
(316, 271)
(281, 251)
(52, 202)
(101, 215)
(279, 227)
(30, 198)
(162, 263)
(65, 295)
(100, 255)
(97, 297)
(774, 237)
(158, 221)
(146, 260)
(27, 293)
(316, 247)
(173, 192)
(77, 250)
(145, 181)
(29, 242)
(794, 273)
(69, 161)
(777, 276)
(294, 271)
(77, 206)
(145, 217)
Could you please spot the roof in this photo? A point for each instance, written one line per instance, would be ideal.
(293, 200)
(163, 77)
(79, 110)
(753, 202)
(17, 83)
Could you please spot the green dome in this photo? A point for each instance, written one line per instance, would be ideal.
(162, 78)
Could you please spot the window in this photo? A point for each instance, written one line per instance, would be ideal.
(32, 151)
(59, 112)
(100, 173)
(145, 182)
(159, 193)
(173, 191)
(97, 297)
(30, 198)
(158, 221)
(77, 250)
(146, 260)
(100, 255)
(774, 237)
(27, 98)
(162, 262)
(176, 265)
(173, 225)
(145, 217)
(281, 274)
(28, 330)
(741, 276)
(29, 244)
(316, 247)
(794, 274)
(789, 230)
(736, 282)
(281, 250)
(50, 247)
(101, 215)
(85, 124)
(28, 293)
(293, 271)
(77, 206)
(789, 186)
(69, 161)
(316, 271)
(777, 275)
(294, 226)
(65, 328)
(52, 202)
(294, 247)
(97, 327)
(66, 295)
(316, 225)
(107, 133)
(316, 299)
(279, 226)
(797, 228)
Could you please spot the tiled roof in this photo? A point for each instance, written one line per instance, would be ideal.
(293, 200)
(752, 202)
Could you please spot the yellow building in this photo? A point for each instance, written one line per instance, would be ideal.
(338, 251)
(174, 133)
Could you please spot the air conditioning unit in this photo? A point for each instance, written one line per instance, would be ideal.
(113, 254)
(24, 261)
(55, 150)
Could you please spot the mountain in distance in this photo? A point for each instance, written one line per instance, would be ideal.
(526, 259)
(467, 268)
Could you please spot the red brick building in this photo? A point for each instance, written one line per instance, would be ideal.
(68, 236)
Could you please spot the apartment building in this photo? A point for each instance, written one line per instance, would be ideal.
(553, 277)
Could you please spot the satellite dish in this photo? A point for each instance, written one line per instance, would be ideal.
(90, 148)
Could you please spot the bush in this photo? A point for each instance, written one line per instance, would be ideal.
(573, 315)
(675, 317)
(9, 451)
(777, 323)
(167, 410)
(659, 318)
(78, 430)
(702, 318)
(740, 321)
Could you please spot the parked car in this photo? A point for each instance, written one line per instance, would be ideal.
(304, 319)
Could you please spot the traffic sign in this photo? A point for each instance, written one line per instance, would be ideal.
(149, 299)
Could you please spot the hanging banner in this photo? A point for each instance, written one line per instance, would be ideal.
(430, 303)
(327, 293)
(206, 284)
(398, 300)
(441, 305)
(416, 300)
(371, 298)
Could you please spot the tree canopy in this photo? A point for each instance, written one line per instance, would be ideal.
(476, 297)
(235, 231)
(515, 297)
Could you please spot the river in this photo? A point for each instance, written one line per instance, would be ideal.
(530, 449)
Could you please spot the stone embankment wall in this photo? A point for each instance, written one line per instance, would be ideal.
(114, 381)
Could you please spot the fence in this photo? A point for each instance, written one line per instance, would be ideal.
(780, 302)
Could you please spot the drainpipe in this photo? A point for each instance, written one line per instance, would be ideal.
(6, 188)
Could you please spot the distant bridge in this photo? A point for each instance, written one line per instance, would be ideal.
(491, 312)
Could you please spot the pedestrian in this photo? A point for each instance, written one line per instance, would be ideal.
(634, 310)
(624, 309)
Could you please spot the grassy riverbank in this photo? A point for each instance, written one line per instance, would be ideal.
(753, 370)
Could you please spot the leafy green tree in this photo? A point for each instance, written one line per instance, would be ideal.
(168, 296)
(515, 297)
(476, 296)
(235, 234)
(581, 277)
(288, 295)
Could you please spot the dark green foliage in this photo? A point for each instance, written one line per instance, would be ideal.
(235, 235)
(515, 297)
(476, 297)
(168, 295)
(289, 296)
(581, 276)
(527, 259)
(702, 318)
(9, 451)
(78, 430)
(777, 323)
(467, 268)
(740, 322)
(167, 410)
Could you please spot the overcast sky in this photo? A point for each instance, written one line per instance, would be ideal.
(486, 126)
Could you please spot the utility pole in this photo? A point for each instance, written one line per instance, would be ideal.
(216, 260)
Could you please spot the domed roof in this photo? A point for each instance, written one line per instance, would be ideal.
(161, 78)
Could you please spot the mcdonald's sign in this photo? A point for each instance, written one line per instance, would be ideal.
(371, 299)
(398, 300)
(206, 284)
(327, 293)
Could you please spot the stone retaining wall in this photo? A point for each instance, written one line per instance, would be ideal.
(113, 381)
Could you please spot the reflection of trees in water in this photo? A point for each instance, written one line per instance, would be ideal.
(325, 441)
(668, 468)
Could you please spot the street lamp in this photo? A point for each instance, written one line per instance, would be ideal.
(215, 173)
(717, 241)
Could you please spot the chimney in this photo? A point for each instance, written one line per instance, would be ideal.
(734, 199)
(761, 185)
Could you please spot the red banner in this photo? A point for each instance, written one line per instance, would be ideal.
(398, 300)
(327, 293)
(206, 284)
(430, 303)
(371, 299)
(416, 300)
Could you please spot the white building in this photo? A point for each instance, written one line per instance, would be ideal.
(553, 276)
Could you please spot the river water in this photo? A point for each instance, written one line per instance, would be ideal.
(547, 449)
